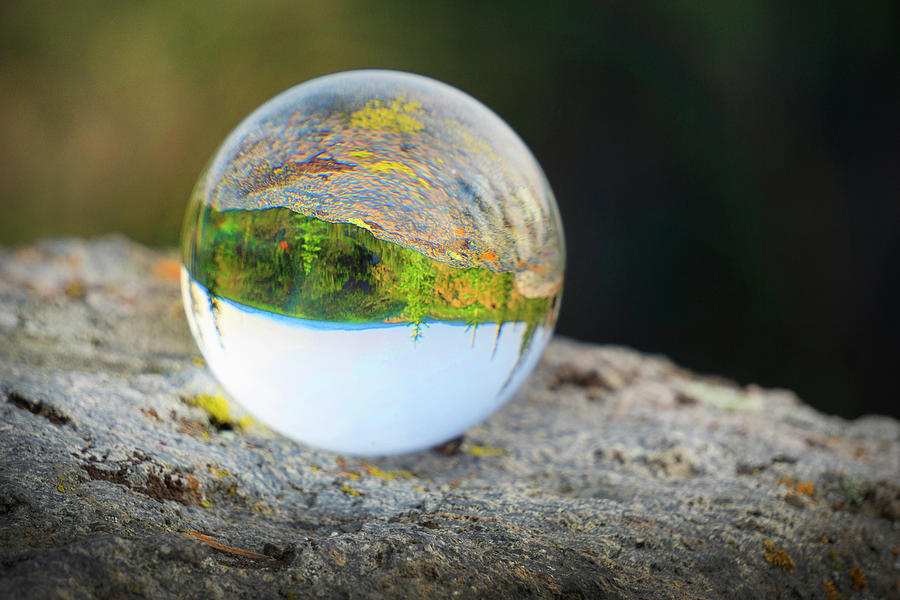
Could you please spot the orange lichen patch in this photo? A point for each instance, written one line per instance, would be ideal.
(201, 537)
(192, 488)
(150, 414)
(857, 578)
(830, 590)
(778, 557)
(167, 269)
(489, 256)
(806, 487)
(464, 292)
(341, 470)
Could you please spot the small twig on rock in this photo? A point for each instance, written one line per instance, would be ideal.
(202, 537)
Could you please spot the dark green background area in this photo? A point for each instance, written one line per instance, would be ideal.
(728, 172)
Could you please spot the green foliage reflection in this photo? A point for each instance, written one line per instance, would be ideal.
(284, 262)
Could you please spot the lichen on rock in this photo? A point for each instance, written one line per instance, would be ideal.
(611, 474)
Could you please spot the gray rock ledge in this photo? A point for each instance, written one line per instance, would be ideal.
(612, 474)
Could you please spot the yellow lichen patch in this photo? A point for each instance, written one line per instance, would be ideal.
(205, 503)
(480, 451)
(395, 116)
(360, 154)
(75, 289)
(381, 473)
(198, 360)
(261, 508)
(216, 407)
(218, 411)
(220, 473)
(61, 486)
(391, 167)
(778, 557)
(350, 491)
(478, 146)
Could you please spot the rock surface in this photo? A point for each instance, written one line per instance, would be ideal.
(611, 474)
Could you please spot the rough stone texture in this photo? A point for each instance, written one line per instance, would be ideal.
(611, 474)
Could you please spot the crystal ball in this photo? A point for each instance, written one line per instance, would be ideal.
(372, 262)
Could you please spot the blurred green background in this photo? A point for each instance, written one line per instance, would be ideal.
(727, 171)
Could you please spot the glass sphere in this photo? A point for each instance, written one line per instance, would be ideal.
(373, 262)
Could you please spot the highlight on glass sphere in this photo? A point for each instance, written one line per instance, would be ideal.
(373, 262)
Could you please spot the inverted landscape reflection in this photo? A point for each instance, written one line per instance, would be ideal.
(372, 262)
